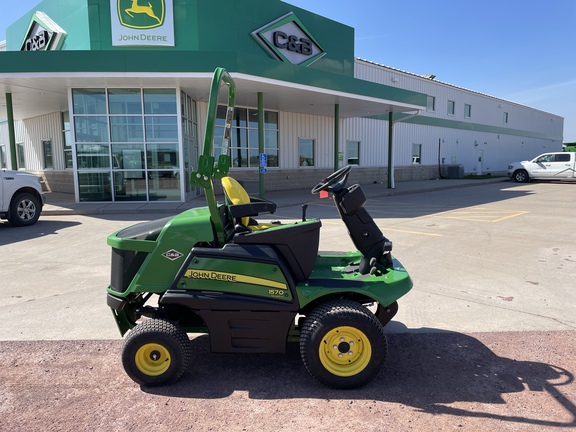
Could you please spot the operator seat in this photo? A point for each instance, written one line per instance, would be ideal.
(242, 206)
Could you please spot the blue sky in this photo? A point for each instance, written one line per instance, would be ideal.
(522, 51)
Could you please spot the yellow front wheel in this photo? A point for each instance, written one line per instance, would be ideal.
(156, 352)
(343, 344)
(153, 359)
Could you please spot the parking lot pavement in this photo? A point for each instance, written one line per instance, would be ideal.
(479, 257)
(484, 341)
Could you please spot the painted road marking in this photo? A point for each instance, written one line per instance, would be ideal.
(480, 214)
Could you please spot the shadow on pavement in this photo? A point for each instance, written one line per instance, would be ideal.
(10, 234)
(426, 371)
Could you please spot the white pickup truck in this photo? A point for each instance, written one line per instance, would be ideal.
(548, 166)
(21, 197)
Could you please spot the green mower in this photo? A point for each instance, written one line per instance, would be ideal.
(253, 287)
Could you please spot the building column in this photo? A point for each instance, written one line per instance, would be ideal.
(390, 152)
(11, 132)
(261, 185)
(336, 134)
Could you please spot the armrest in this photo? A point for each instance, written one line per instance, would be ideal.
(255, 207)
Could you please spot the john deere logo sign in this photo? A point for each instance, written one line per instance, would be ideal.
(287, 39)
(43, 34)
(142, 22)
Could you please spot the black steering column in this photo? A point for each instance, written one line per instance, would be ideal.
(365, 234)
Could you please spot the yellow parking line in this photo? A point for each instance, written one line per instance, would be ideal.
(338, 222)
(481, 215)
(413, 232)
(511, 216)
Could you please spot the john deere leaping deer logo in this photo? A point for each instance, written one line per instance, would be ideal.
(148, 15)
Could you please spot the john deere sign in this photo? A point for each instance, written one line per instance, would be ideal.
(287, 39)
(142, 22)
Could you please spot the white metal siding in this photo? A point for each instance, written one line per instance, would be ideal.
(294, 126)
(32, 131)
(462, 146)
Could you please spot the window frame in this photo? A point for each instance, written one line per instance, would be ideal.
(451, 104)
(416, 155)
(301, 160)
(357, 158)
(431, 103)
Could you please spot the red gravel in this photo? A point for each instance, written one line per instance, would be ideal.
(431, 382)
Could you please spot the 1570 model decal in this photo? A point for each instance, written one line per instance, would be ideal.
(231, 277)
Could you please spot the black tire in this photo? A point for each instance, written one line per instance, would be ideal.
(156, 353)
(342, 344)
(24, 209)
(521, 176)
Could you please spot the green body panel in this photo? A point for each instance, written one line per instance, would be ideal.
(331, 272)
(157, 272)
(234, 276)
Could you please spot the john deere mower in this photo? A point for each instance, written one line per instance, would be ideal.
(252, 287)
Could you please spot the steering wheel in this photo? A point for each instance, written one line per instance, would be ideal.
(334, 182)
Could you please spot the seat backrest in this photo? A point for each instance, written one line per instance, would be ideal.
(236, 194)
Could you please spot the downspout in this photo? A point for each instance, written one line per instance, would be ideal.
(391, 123)
(336, 134)
(11, 132)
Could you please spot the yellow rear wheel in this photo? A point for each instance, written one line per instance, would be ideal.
(345, 351)
(342, 344)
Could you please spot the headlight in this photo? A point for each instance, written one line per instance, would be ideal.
(510, 166)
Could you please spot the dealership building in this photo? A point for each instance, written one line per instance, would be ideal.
(107, 99)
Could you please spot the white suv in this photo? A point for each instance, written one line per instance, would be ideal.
(21, 197)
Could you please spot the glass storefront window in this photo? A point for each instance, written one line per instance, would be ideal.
(94, 186)
(239, 157)
(126, 129)
(244, 149)
(125, 101)
(163, 156)
(160, 129)
(160, 101)
(128, 156)
(89, 101)
(127, 143)
(92, 156)
(240, 118)
(130, 186)
(91, 129)
(163, 187)
(270, 120)
(67, 139)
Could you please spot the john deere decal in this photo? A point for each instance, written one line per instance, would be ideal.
(142, 22)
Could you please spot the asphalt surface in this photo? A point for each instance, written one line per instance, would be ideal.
(484, 341)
